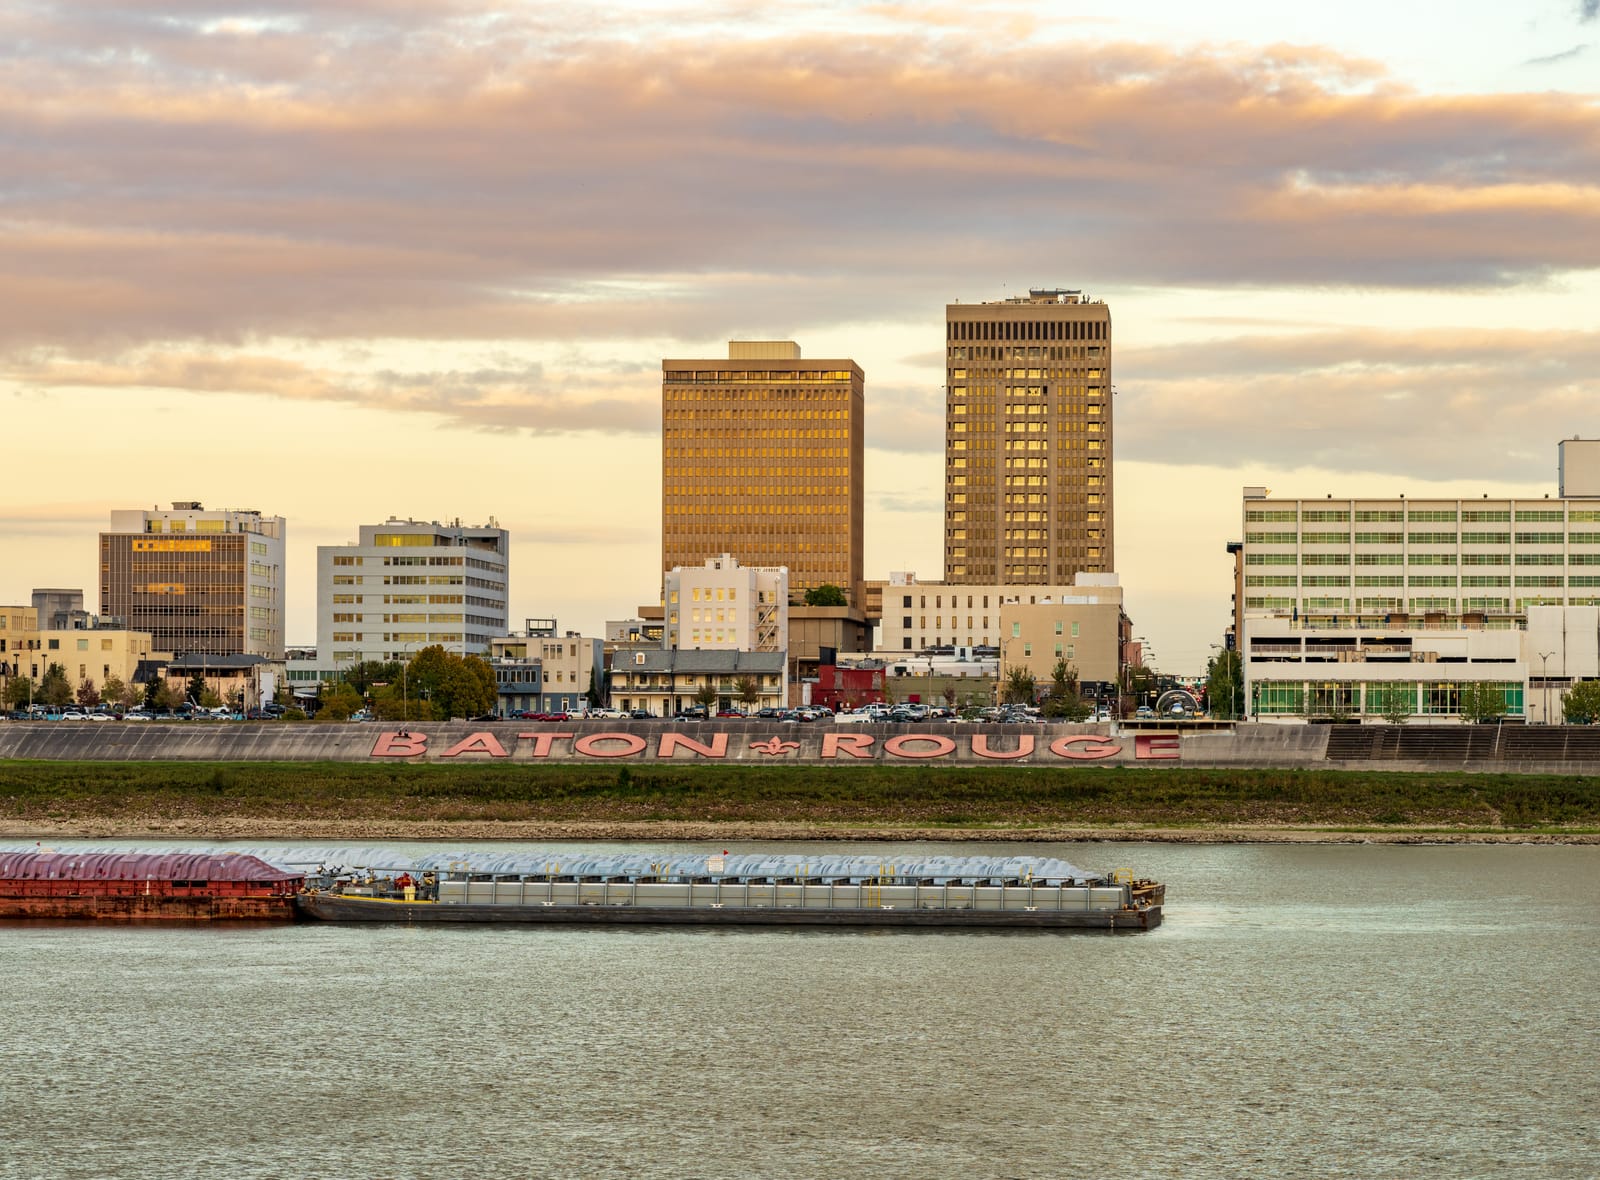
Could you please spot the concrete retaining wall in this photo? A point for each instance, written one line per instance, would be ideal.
(651, 742)
(1553, 750)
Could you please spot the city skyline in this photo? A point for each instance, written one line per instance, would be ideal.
(250, 262)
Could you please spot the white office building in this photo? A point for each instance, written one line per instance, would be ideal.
(406, 585)
(725, 606)
(1365, 607)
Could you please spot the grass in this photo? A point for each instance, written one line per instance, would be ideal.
(858, 796)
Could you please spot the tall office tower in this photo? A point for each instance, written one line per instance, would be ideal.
(1028, 492)
(406, 585)
(201, 583)
(762, 459)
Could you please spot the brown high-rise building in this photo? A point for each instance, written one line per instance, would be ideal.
(201, 583)
(761, 458)
(1028, 493)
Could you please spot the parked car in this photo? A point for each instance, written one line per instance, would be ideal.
(1144, 711)
(640, 715)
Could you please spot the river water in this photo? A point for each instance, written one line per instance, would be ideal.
(1306, 1011)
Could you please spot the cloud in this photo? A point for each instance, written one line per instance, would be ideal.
(451, 171)
(520, 398)
(1588, 10)
(1556, 58)
(1411, 403)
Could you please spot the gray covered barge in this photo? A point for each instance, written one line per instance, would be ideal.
(953, 892)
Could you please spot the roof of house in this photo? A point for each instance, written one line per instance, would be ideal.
(701, 660)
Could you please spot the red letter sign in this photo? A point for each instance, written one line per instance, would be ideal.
(393, 745)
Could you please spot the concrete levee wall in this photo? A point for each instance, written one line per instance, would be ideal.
(652, 742)
(820, 744)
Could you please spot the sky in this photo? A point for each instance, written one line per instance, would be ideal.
(352, 260)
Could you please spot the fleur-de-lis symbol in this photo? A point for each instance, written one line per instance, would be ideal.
(774, 746)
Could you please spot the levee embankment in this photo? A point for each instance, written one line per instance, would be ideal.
(1499, 749)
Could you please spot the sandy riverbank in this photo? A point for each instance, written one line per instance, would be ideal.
(358, 831)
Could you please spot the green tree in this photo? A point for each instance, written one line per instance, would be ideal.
(196, 689)
(167, 697)
(1481, 702)
(55, 688)
(1141, 686)
(1581, 704)
(446, 685)
(826, 594)
(1396, 708)
(340, 702)
(748, 692)
(364, 676)
(1225, 685)
(88, 694)
(1062, 701)
(706, 696)
(1019, 686)
(113, 690)
(20, 690)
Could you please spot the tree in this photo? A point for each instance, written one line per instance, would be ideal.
(826, 594)
(1019, 686)
(1225, 685)
(1396, 708)
(1581, 704)
(88, 694)
(196, 689)
(167, 698)
(19, 691)
(55, 688)
(363, 676)
(112, 691)
(340, 702)
(1063, 700)
(949, 695)
(748, 691)
(706, 696)
(1141, 685)
(1481, 702)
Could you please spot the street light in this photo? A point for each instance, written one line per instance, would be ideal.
(1544, 674)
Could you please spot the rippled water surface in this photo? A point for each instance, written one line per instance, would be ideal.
(1361, 1011)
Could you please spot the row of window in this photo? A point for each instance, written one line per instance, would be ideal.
(1375, 698)
(1522, 538)
(1282, 515)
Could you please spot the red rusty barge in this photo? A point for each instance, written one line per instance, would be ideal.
(145, 887)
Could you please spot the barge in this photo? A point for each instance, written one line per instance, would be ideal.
(146, 887)
(1038, 894)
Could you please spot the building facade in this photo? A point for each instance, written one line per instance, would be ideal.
(199, 582)
(1028, 440)
(666, 682)
(762, 458)
(548, 672)
(725, 605)
(969, 618)
(1082, 631)
(1372, 607)
(406, 585)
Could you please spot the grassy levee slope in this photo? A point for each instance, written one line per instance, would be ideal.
(830, 798)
